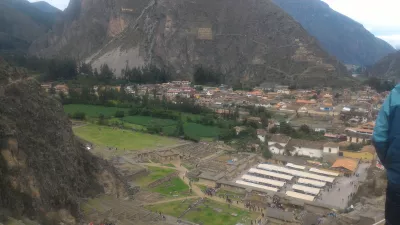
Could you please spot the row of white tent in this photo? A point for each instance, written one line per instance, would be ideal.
(315, 170)
(271, 174)
(297, 173)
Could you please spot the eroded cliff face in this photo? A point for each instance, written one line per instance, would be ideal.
(250, 41)
(44, 170)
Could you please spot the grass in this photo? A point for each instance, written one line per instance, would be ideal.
(148, 120)
(199, 130)
(126, 125)
(121, 139)
(93, 110)
(210, 213)
(175, 187)
(175, 208)
(169, 165)
(155, 174)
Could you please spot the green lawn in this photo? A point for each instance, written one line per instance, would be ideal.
(93, 110)
(199, 130)
(148, 120)
(121, 139)
(155, 174)
(174, 187)
(210, 213)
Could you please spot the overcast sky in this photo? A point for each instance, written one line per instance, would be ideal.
(381, 17)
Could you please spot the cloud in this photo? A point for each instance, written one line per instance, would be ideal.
(61, 4)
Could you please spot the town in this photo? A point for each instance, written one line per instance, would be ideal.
(310, 154)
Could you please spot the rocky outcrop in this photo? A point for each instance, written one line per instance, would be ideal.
(250, 41)
(44, 170)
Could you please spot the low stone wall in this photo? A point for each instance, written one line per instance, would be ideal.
(162, 180)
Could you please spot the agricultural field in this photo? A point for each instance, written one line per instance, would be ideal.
(121, 139)
(210, 212)
(148, 120)
(93, 110)
(155, 174)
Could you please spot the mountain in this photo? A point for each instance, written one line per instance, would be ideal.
(44, 170)
(251, 41)
(387, 67)
(339, 35)
(21, 23)
(45, 7)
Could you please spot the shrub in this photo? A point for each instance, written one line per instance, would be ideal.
(119, 114)
(79, 116)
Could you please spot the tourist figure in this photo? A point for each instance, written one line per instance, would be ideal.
(387, 143)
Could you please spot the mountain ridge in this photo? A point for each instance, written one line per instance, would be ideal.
(250, 41)
(338, 34)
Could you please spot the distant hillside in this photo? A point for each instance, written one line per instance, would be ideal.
(21, 23)
(339, 35)
(46, 7)
(250, 41)
(387, 67)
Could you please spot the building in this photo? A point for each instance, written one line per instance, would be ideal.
(301, 147)
(359, 135)
(331, 147)
(346, 166)
(280, 139)
(62, 88)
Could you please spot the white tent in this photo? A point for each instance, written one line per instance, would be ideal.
(315, 170)
(300, 196)
(257, 185)
(311, 182)
(295, 166)
(263, 180)
(271, 174)
(296, 173)
(305, 189)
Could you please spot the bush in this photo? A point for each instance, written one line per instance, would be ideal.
(79, 116)
(119, 114)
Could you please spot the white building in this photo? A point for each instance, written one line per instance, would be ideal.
(280, 139)
(331, 147)
(311, 149)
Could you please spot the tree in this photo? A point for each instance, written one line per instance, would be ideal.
(86, 68)
(79, 115)
(179, 131)
(267, 154)
(106, 74)
(273, 130)
(119, 114)
(305, 129)
(102, 120)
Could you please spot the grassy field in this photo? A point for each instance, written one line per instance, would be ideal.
(148, 120)
(121, 139)
(155, 174)
(210, 213)
(93, 110)
(175, 187)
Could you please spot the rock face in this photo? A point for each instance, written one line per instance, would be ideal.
(21, 23)
(44, 170)
(250, 41)
(387, 67)
(339, 35)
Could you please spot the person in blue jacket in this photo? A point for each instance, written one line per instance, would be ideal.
(386, 139)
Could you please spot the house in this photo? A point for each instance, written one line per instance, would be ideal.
(239, 129)
(46, 86)
(331, 147)
(346, 166)
(358, 135)
(277, 149)
(61, 88)
(261, 133)
(305, 102)
(279, 139)
(301, 147)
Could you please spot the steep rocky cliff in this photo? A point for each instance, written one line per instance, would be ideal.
(44, 171)
(339, 35)
(251, 41)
